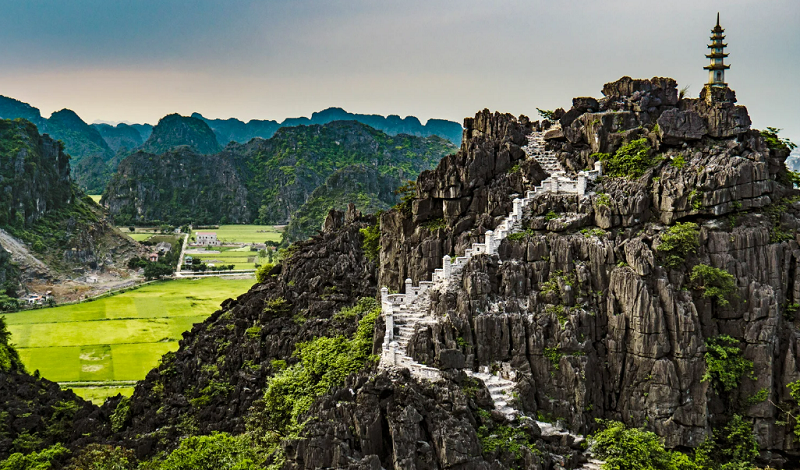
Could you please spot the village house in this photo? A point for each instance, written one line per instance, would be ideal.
(207, 238)
(153, 257)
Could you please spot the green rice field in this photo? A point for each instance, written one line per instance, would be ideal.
(245, 233)
(241, 258)
(118, 338)
(96, 197)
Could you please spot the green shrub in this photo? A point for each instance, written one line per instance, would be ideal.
(435, 224)
(550, 216)
(505, 438)
(696, 200)
(103, 457)
(42, 460)
(554, 355)
(794, 392)
(725, 365)
(716, 284)
(547, 114)
(324, 363)
(407, 193)
(603, 200)
(372, 241)
(361, 309)
(625, 448)
(121, 415)
(679, 241)
(732, 447)
(254, 332)
(219, 451)
(678, 162)
(262, 272)
(775, 142)
(630, 161)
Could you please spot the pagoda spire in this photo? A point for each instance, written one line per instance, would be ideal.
(717, 67)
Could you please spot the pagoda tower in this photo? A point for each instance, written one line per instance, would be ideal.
(716, 69)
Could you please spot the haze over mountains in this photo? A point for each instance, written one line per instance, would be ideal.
(97, 149)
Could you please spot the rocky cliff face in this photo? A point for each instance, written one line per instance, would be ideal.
(43, 208)
(175, 130)
(584, 307)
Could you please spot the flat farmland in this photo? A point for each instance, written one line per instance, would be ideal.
(241, 259)
(245, 233)
(119, 338)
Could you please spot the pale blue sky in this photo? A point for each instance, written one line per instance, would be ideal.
(139, 60)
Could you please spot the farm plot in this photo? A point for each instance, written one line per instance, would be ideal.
(115, 339)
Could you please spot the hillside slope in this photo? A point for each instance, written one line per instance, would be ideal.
(42, 207)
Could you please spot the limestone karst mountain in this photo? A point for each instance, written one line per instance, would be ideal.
(48, 224)
(526, 296)
(269, 180)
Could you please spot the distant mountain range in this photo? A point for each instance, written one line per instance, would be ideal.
(97, 149)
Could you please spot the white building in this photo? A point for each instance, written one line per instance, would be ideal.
(207, 238)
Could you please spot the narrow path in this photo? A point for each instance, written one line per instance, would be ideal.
(183, 251)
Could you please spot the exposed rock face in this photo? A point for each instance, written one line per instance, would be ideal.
(42, 207)
(467, 192)
(175, 130)
(593, 322)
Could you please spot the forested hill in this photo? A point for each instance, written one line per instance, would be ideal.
(267, 181)
(97, 149)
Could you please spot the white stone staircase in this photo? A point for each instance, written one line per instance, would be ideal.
(546, 158)
(501, 390)
(404, 313)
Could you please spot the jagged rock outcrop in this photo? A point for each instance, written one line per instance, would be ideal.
(295, 304)
(582, 306)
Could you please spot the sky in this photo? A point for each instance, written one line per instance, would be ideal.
(137, 61)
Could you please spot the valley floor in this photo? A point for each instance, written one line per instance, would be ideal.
(100, 348)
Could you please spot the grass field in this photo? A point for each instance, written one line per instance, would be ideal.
(245, 233)
(240, 259)
(96, 197)
(118, 338)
